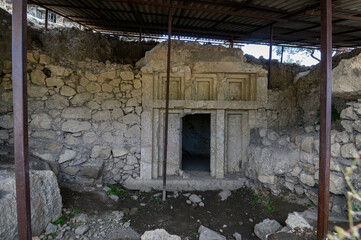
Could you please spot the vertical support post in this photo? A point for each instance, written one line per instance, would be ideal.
(46, 18)
(270, 55)
(325, 118)
(167, 107)
(232, 42)
(20, 111)
(282, 51)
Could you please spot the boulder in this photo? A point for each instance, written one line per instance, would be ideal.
(266, 227)
(208, 234)
(296, 220)
(46, 202)
(159, 234)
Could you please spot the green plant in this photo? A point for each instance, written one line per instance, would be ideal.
(353, 231)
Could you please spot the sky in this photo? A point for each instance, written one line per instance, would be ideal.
(263, 50)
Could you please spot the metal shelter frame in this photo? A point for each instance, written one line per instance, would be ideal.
(19, 61)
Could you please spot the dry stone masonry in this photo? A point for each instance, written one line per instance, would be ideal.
(84, 117)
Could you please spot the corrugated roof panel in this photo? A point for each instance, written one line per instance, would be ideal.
(130, 16)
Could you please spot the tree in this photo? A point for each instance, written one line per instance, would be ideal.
(279, 50)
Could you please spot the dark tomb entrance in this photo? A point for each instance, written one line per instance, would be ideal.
(196, 142)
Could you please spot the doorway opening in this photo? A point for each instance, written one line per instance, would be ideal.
(196, 142)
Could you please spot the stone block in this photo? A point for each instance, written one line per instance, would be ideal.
(266, 227)
(75, 126)
(348, 151)
(37, 77)
(127, 75)
(76, 113)
(67, 156)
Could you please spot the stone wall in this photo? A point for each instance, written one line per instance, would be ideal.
(84, 117)
(288, 158)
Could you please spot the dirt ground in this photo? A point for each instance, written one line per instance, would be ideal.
(239, 213)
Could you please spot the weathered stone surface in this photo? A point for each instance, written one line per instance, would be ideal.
(335, 150)
(90, 76)
(208, 234)
(345, 77)
(131, 119)
(75, 126)
(81, 229)
(89, 137)
(67, 156)
(102, 116)
(37, 77)
(307, 179)
(342, 137)
(348, 151)
(106, 76)
(92, 168)
(119, 152)
(131, 160)
(137, 84)
(337, 183)
(46, 202)
(6, 121)
(36, 91)
(225, 194)
(93, 87)
(195, 198)
(295, 220)
(81, 98)
(127, 75)
(159, 234)
(41, 120)
(102, 152)
(57, 102)
(67, 91)
(348, 114)
(266, 227)
(4, 134)
(111, 104)
(76, 113)
(54, 82)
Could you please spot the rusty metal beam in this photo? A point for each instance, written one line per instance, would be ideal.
(20, 111)
(338, 16)
(199, 9)
(165, 152)
(325, 119)
(270, 55)
(46, 18)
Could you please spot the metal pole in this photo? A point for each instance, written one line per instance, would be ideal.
(325, 118)
(270, 55)
(167, 107)
(46, 18)
(20, 111)
(232, 42)
(283, 49)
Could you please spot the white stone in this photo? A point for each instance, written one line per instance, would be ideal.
(335, 150)
(41, 120)
(76, 113)
(67, 156)
(208, 234)
(296, 220)
(348, 151)
(307, 179)
(54, 82)
(195, 198)
(111, 104)
(266, 227)
(81, 98)
(81, 229)
(159, 234)
(119, 152)
(75, 126)
(225, 194)
(46, 202)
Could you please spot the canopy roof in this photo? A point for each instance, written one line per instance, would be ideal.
(295, 22)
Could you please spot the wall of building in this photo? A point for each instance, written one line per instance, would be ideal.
(84, 117)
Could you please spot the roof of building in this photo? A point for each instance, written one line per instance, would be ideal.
(295, 22)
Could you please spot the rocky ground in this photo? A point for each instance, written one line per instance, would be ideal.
(111, 212)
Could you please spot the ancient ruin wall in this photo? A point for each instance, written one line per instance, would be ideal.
(84, 117)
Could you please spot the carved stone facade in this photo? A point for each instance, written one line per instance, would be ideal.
(225, 87)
